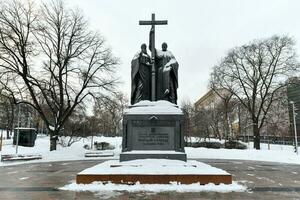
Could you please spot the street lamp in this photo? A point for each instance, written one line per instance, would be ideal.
(295, 126)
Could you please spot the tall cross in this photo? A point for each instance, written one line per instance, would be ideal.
(152, 38)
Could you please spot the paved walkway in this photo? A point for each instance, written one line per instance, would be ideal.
(266, 180)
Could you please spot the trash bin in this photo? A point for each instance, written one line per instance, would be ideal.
(27, 137)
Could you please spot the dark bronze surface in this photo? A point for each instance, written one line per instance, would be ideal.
(156, 78)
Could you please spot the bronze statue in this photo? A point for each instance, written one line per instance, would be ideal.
(141, 76)
(167, 75)
(156, 77)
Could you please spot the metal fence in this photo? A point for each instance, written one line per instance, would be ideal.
(286, 140)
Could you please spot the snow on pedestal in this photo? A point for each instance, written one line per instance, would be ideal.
(153, 166)
(154, 107)
(154, 171)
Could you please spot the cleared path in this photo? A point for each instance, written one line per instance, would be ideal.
(265, 180)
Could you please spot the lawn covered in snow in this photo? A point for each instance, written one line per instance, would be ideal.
(74, 152)
(277, 153)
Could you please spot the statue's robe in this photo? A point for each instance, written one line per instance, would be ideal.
(140, 78)
(166, 76)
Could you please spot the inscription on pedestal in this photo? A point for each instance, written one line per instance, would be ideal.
(153, 138)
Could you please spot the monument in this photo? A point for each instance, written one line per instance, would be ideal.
(153, 124)
(153, 143)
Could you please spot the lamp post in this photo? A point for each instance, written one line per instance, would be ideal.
(295, 126)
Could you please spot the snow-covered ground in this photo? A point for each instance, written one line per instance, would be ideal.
(272, 152)
(110, 190)
(74, 152)
(277, 153)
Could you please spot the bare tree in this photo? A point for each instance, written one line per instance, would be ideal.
(188, 112)
(51, 61)
(253, 73)
(202, 122)
(76, 127)
(7, 108)
(108, 112)
(225, 106)
(277, 119)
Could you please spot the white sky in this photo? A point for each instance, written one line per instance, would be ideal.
(199, 33)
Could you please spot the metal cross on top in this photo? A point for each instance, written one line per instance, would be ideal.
(152, 39)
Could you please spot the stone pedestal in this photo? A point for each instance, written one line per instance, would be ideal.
(153, 151)
(154, 171)
(153, 130)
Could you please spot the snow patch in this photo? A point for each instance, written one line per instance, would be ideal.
(51, 128)
(156, 188)
(23, 178)
(14, 172)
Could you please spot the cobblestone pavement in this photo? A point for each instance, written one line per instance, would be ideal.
(265, 180)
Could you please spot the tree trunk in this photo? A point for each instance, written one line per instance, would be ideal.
(226, 123)
(7, 122)
(7, 127)
(10, 125)
(256, 136)
(53, 139)
(7, 133)
(240, 123)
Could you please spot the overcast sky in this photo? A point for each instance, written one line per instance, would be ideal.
(199, 33)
